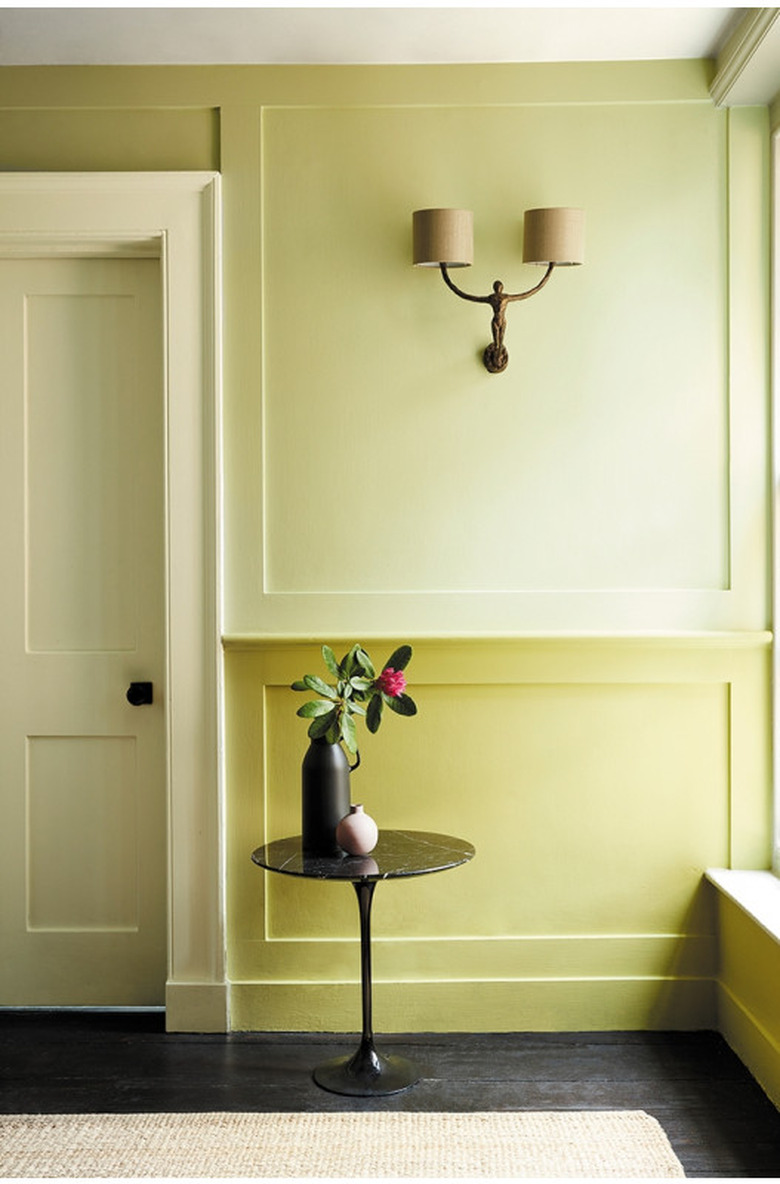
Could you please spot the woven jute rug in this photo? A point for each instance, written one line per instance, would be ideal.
(520, 1144)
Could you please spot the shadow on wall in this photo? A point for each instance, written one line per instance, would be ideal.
(687, 985)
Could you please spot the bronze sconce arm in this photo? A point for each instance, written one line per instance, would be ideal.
(444, 238)
(495, 356)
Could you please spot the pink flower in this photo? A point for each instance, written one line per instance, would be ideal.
(392, 682)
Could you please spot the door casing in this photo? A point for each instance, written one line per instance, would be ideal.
(176, 217)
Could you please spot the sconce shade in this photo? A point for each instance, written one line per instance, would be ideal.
(554, 236)
(443, 236)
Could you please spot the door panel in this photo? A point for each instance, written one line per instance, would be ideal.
(80, 407)
(81, 799)
(82, 773)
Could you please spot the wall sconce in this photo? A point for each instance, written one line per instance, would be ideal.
(445, 238)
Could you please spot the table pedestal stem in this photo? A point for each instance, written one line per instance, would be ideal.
(365, 895)
(366, 1073)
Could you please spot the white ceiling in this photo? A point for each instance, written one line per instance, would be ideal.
(284, 34)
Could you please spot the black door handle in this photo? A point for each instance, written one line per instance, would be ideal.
(140, 693)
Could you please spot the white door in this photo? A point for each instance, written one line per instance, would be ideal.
(82, 616)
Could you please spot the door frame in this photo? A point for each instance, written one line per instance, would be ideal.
(175, 217)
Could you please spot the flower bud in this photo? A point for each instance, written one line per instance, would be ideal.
(392, 682)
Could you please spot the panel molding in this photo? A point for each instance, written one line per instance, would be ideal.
(302, 974)
(743, 600)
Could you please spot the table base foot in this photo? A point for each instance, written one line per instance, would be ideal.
(367, 1074)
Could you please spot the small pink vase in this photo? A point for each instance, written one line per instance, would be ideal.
(357, 832)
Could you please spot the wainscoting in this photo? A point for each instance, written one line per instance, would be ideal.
(597, 778)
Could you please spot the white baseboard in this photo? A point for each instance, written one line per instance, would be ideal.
(197, 1007)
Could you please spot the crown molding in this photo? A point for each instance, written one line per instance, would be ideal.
(748, 66)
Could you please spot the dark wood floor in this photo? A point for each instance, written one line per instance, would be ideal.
(717, 1119)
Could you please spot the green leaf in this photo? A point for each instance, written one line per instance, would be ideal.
(314, 708)
(365, 663)
(400, 658)
(349, 662)
(322, 724)
(361, 685)
(316, 684)
(330, 661)
(355, 707)
(401, 704)
(299, 685)
(374, 713)
(349, 731)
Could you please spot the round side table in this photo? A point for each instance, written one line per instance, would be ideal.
(398, 853)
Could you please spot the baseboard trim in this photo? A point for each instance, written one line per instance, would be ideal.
(755, 1046)
(197, 1007)
(538, 1005)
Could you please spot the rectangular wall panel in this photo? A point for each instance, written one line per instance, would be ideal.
(572, 470)
(606, 787)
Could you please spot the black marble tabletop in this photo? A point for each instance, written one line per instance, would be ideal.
(397, 853)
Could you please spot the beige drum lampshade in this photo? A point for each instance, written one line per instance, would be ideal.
(554, 236)
(443, 236)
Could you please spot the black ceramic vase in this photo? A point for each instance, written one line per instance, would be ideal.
(324, 796)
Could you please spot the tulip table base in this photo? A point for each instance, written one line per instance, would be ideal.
(367, 1073)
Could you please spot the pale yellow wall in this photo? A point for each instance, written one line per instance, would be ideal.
(418, 472)
(379, 485)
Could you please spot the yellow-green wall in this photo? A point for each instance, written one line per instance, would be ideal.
(596, 777)
(748, 1013)
(576, 548)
